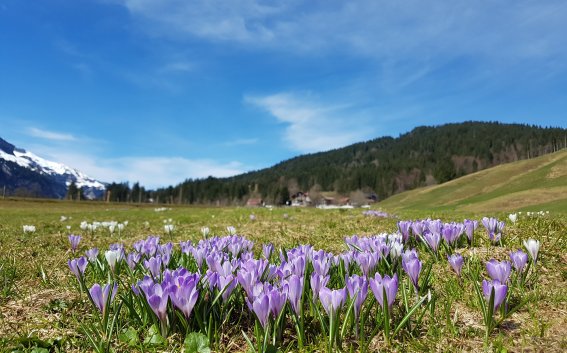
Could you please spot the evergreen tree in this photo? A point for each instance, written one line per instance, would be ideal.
(72, 191)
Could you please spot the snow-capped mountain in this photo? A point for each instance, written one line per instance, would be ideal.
(24, 172)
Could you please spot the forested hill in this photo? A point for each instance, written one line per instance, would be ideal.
(382, 167)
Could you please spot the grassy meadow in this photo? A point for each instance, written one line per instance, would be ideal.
(42, 309)
(533, 184)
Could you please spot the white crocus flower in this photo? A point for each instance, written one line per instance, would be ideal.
(396, 249)
(231, 230)
(205, 231)
(513, 217)
(29, 229)
(168, 228)
(112, 257)
(532, 246)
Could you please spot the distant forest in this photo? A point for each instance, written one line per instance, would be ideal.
(376, 169)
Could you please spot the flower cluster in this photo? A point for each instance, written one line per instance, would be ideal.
(112, 226)
(374, 213)
(198, 286)
(29, 229)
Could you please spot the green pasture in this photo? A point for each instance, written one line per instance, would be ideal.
(528, 185)
(41, 309)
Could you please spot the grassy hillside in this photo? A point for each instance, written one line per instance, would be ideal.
(534, 184)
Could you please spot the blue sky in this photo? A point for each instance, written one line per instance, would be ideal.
(158, 91)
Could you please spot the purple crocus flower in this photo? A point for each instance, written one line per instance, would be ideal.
(500, 291)
(247, 280)
(78, 266)
(498, 270)
(153, 264)
(470, 227)
(277, 298)
(433, 240)
(408, 254)
(519, 260)
(412, 266)
(332, 300)
(390, 284)
(347, 258)
(186, 247)
(226, 284)
(100, 296)
(143, 284)
(132, 259)
(494, 228)
(74, 240)
(417, 228)
(489, 224)
(261, 307)
(212, 278)
(321, 262)
(294, 285)
(199, 254)
(317, 282)
(92, 254)
(267, 250)
(450, 233)
(185, 296)
(434, 226)
(456, 261)
(404, 228)
(165, 252)
(367, 261)
(357, 288)
(157, 297)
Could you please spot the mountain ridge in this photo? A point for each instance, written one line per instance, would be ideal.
(23, 172)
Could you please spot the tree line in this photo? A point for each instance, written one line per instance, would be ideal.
(378, 168)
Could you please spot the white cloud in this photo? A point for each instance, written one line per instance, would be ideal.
(312, 126)
(50, 135)
(386, 29)
(151, 172)
(213, 19)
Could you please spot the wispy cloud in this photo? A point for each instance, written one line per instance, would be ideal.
(164, 171)
(91, 156)
(312, 125)
(379, 28)
(152, 172)
(241, 142)
(176, 67)
(50, 135)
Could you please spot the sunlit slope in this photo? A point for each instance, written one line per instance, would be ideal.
(534, 184)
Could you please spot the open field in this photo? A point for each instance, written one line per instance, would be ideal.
(527, 185)
(41, 308)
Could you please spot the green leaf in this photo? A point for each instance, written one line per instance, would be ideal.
(40, 350)
(130, 337)
(409, 314)
(154, 337)
(196, 342)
